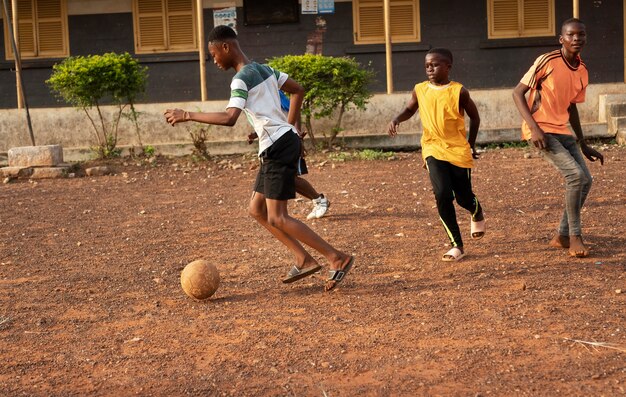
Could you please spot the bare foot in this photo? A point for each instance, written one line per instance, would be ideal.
(577, 247)
(559, 241)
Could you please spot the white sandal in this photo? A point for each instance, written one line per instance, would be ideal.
(477, 229)
(453, 255)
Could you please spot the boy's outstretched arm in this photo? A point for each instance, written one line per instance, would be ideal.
(588, 151)
(296, 98)
(406, 114)
(468, 105)
(227, 118)
(537, 136)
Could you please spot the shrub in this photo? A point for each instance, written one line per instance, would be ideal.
(88, 82)
(331, 84)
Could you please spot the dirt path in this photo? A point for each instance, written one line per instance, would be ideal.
(90, 301)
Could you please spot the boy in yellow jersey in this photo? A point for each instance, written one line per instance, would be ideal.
(557, 81)
(446, 149)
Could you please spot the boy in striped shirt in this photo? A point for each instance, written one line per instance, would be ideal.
(255, 91)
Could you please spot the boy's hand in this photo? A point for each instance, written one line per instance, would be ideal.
(173, 116)
(392, 129)
(538, 138)
(251, 137)
(475, 154)
(591, 153)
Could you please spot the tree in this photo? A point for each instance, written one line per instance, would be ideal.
(88, 82)
(333, 85)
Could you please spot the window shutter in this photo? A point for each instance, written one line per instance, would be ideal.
(504, 18)
(370, 23)
(404, 22)
(26, 29)
(181, 24)
(520, 18)
(51, 29)
(150, 25)
(538, 18)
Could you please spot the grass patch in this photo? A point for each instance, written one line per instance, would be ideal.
(365, 154)
(506, 145)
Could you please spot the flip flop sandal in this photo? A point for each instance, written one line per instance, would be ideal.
(477, 229)
(336, 276)
(453, 255)
(296, 274)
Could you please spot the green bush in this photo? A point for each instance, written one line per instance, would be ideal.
(333, 85)
(88, 82)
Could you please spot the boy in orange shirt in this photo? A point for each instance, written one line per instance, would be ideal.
(557, 81)
(446, 150)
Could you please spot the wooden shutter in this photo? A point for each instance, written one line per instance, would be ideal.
(504, 18)
(404, 21)
(164, 25)
(51, 28)
(181, 24)
(370, 24)
(538, 18)
(520, 18)
(26, 29)
(42, 26)
(149, 25)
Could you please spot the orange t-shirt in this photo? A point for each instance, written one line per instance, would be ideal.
(554, 85)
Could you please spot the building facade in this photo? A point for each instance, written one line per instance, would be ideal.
(493, 41)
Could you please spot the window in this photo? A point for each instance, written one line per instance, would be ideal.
(263, 12)
(164, 26)
(369, 22)
(42, 29)
(520, 18)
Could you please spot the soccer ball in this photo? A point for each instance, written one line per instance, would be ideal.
(200, 279)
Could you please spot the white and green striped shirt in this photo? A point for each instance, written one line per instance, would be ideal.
(254, 89)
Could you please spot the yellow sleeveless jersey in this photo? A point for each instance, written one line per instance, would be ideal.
(444, 136)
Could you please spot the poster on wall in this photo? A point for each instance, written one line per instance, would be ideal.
(225, 16)
(309, 6)
(326, 6)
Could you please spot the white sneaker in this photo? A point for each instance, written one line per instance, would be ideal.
(321, 206)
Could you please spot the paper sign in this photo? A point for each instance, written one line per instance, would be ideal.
(225, 16)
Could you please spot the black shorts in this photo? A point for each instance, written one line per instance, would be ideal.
(279, 166)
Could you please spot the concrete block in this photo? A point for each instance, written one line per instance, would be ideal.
(604, 100)
(620, 124)
(597, 130)
(35, 156)
(621, 137)
(616, 110)
(49, 172)
(16, 172)
(98, 171)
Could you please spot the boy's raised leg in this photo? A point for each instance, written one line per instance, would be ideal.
(258, 210)
(279, 218)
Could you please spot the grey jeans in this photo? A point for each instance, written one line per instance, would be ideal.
(565, 155)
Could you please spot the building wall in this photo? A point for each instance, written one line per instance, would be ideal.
(456, 24)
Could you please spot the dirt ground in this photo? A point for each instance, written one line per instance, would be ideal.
(91, 303)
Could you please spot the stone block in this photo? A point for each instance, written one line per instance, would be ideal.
(49, 172)
(616, 110)
(98, 171)
(35, 156)
(16, 172)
